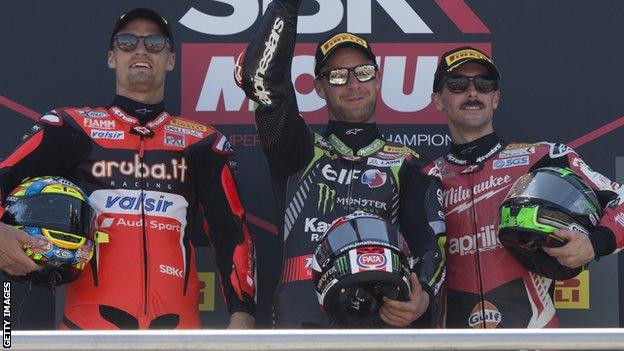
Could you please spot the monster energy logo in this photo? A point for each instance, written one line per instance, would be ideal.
(325, 198)
(397, 267)
(342, 266)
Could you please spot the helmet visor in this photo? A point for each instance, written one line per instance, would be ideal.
(565, 191)
(58, 212)
(362, 231)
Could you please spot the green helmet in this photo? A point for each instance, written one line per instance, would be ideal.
(539, 203)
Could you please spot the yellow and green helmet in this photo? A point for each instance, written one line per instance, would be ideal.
(56, 214)
(539, 203)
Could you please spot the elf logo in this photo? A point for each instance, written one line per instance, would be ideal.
(343, 176)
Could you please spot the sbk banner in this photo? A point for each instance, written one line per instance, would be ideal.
(209, 93)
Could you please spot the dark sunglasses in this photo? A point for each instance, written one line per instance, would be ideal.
(460, 84)
(340, 76)
(153, 43)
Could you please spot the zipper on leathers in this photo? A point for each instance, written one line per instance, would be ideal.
(477, 252)
(143, 222)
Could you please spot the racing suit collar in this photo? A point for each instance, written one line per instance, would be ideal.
(354, 135)
(143, 112)
(476, 151)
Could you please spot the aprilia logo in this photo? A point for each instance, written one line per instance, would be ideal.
(486, 239)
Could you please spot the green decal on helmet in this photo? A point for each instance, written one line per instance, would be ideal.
(537, 205)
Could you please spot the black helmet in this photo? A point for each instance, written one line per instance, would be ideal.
(539, 203)
(57, 214)
(360, 259)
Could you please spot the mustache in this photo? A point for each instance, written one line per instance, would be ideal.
(473, 103)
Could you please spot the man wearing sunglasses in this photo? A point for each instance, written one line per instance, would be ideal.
(147, 174)
(319, 177)
(486, 286)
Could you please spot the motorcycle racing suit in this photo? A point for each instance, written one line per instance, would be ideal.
(486, 286)
(318, 178)
(147, 181)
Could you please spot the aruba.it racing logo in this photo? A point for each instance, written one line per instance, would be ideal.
(174, 170)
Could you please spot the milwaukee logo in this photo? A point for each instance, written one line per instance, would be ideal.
(267, 56)
(486, 240)
(465, 196)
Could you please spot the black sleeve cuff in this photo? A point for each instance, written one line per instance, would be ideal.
(240, 306)
(294, 4)
(602, 240)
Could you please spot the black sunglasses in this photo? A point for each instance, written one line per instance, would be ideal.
(340, 76)
(153, 43)
(460, 84)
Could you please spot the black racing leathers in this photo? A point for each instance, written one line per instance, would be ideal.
(320, 177)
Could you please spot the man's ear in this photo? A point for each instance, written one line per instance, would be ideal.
(110, 59)
(436, 98)
(171, 61)
(320, 90)
(496, 99)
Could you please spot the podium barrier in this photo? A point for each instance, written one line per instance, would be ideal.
(311, 340)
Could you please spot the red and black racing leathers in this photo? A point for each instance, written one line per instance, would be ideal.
(485, 284)
(146, 183)
(320, 177)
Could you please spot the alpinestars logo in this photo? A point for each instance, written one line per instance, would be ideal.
(267, 56)
(468, 197)
(326, 197)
